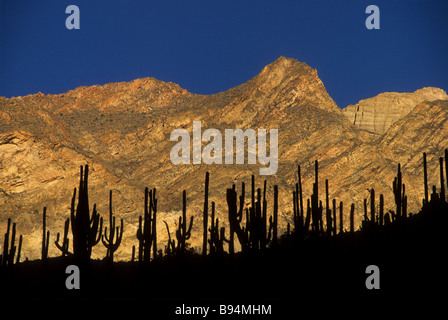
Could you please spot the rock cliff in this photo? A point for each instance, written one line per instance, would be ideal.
(379, 113)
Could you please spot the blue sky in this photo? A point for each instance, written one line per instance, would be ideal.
(210, 46)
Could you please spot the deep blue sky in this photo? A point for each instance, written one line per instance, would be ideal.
(210, 46)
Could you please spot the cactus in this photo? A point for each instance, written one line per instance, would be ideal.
(365, 211)
(147, 231)
(442, 183)
(9, 248)
(341, 217)
(183, 234)
(86, 229)
(273, 220)
(381, 216)
(334, 218)
(217, 235)
(113, 240)
(315, 201)
(352, 218)
(308, 215)
(171, 246)
(235, 218)
(213, 230)
(258, 234)
(298, 208)
(425, 178)
(205, 216)
(264, 239)
(64, 246)
(327, 209)
(316, 205)
(399, 195)
(446, 167)
(45, 236)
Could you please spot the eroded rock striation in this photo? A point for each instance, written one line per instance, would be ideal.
(379, 113)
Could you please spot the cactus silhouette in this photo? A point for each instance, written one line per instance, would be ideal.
(113, 240)
(442, 182)
(86, 228)
(170, 248)
(381, 214)
(205, 216)
(9, 247)
(65, 243)
(341, 217)
(446, 168)
(298, 217)
(327, 210)
(352, 218)
(235, 218)
(147, 231)
(399, 195)
(183, 233)
(45, 236)
(273, 220)
(217, 235)
(425, 178)
(213, 230)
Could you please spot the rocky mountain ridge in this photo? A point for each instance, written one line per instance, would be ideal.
(122, 130)
(379, 113)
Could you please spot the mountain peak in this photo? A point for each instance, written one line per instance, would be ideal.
(285, 65)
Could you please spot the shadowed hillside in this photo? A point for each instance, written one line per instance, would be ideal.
(318, 256)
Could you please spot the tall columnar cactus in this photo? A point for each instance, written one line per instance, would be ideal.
(399, 195)
(217, 235)
(45, 236)
(341, 217)
(308, 215)
(263, 232)
(86, 228)
(235, 218)
(352, 218)
(113, 240)
(335, 223)
(299, 200)
(442, 182)
(327, 210)
(381, 215)
(183, 233)
(259, 234)
(425, 179)
(273, 220)
(372, 206)
(147, 227)
(213, 230)
(446, 168)
(316, 212)
(365, 210)
(205, 216)
(9, 247)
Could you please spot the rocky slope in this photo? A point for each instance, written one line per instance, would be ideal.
(122, 130)
(379, 113)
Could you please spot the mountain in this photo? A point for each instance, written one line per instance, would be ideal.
(122, 130)
(379, 113)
